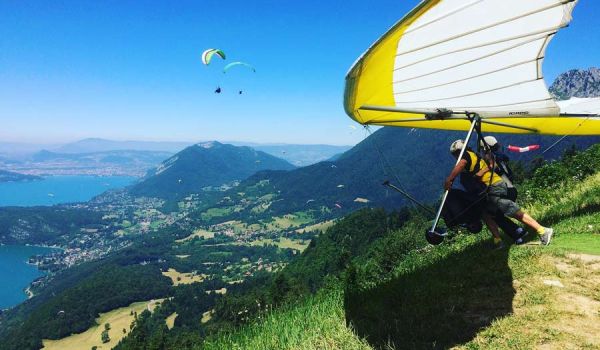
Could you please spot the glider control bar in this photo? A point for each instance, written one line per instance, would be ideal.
(474, 123)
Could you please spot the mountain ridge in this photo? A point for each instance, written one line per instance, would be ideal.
(582, 83)
(414, 160)
(204, 165)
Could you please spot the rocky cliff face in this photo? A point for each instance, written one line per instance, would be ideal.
(577, 83)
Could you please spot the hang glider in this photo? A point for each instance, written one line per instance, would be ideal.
(448, 59)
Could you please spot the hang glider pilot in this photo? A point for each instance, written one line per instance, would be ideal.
(497, 192)
(464, 205)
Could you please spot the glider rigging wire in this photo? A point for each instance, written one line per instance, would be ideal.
(384, 161)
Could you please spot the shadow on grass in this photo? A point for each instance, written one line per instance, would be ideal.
(435, 307)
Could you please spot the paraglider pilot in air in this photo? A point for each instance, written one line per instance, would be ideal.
(497, 192)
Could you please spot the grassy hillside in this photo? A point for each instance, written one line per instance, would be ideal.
(460, 294)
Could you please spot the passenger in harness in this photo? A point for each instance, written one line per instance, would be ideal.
(464, 207)
(502, 167)
(496, 191)
(496, 155)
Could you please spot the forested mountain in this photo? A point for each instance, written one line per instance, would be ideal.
(298, 155)
(415, 160)
(43, 225)
(577, 83)
(203, 165)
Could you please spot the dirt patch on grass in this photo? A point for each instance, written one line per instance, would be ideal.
(591, 261)
(556, 306)
(577, 322)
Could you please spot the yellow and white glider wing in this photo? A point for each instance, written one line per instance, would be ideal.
(477, 56)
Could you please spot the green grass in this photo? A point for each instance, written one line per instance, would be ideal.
(582, 243)
(283, 242)
(288, 221)
(318, 323)
(216, 212)
(574, 213)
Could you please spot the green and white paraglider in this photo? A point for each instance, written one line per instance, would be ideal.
(208, 55)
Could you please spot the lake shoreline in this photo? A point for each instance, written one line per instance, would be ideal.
(18, 275)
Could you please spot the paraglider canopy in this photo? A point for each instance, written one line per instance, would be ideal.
(208, 55)
(447, 59)
(238, 64)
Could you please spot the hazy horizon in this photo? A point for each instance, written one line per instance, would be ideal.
(191, 142)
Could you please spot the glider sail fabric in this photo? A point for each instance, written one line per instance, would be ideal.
(476, 56)
(207, 55)
(238, 64)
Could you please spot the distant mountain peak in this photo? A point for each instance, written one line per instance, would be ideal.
(209, 144)
(205, 164)
(580, 83)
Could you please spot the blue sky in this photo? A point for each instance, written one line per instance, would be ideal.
(131, 69)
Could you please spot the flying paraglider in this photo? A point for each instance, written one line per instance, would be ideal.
(208, 55)
(518, 149)
(238, 64)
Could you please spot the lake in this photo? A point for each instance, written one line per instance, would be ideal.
(16, 274)
(59, 189)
